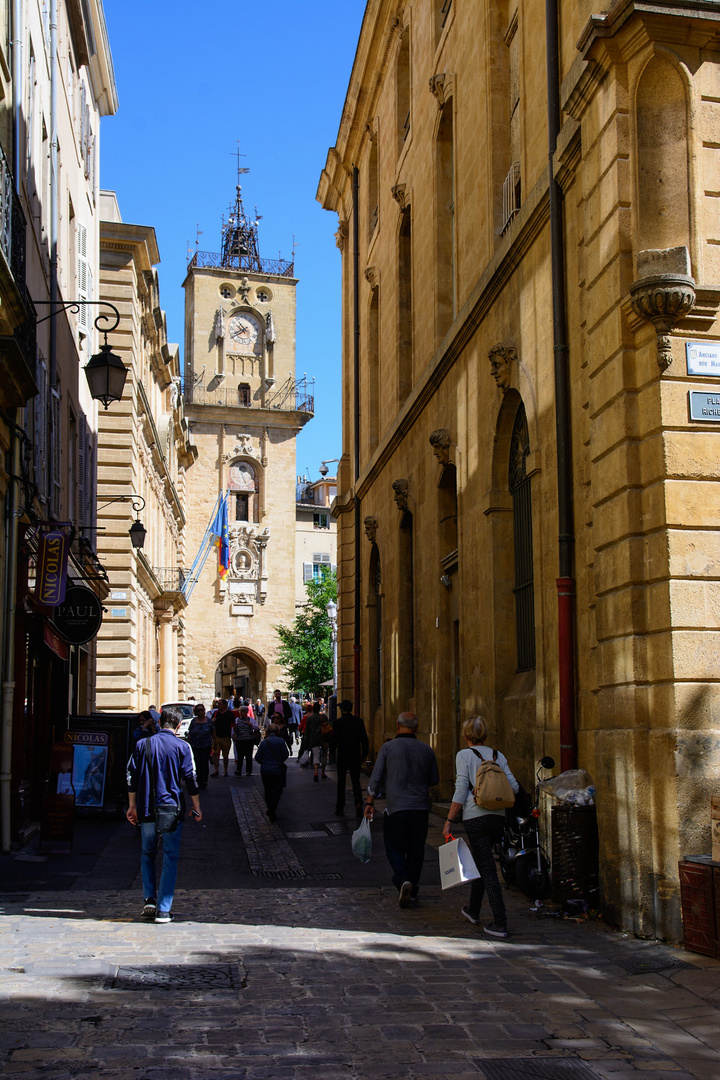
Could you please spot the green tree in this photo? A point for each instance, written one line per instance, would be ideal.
(306, 645)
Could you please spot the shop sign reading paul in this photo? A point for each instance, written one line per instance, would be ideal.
(79, 617)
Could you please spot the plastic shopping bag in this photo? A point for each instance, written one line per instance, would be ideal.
(362, 841)
(456, 864)
(304, 758)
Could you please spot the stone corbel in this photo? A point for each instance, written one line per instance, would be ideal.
(372, 276)
(440, 442)
(343, 231)
(442, 87)
(371, 527)
(501, 356)
(663, 294)
(401, 194)
(401, 490)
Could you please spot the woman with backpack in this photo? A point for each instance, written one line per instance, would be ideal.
(482, 797)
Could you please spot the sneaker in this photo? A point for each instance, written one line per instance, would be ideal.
(496, 931)
(470, 918)
(404, 898)
(316, 778)
(214, 773)
(164, 916)
(150, 909)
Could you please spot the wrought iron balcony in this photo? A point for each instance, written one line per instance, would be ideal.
(214, 260)
(171, 579)
(292, 396)
(12, 245)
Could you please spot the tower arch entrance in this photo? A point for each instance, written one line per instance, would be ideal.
(241, 673)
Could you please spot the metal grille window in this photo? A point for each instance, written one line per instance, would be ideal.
(519, 484)
(511, 194)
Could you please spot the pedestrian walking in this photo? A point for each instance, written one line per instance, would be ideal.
(351, 748)
(484, 828)
(271, 756)
(147, 725)
(245, 733)
(222, 722)
(259, 711)
(297, 715)
(156, 770)
(405, 769)
(316, 741)
(201, 736)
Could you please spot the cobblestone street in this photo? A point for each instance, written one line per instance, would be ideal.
(290, 959)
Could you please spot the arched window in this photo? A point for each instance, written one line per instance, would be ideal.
(406, 610)
(373, 372)
(402, 92)
(405, 312)
(519, 485)
(376, 633)
(445, 222)
(244, 490)
(447, 507)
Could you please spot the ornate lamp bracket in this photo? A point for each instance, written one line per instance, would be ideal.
(663, 299)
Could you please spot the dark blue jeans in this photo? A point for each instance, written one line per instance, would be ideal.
(404, 833)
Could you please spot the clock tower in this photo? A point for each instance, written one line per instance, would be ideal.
(245, 408)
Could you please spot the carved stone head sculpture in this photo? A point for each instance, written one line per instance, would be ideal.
(501, 356)
(402, 491)
(371, 525)
(440, 442)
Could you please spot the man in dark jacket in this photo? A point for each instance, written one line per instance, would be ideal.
(155, 774)
(405, 770)
(271, 754)
(351, 748)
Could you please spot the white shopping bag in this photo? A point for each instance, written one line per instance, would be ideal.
(456, 864)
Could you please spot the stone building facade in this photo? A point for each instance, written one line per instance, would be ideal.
(144, 452)
(56, 82)
(245, 409)
(316, 532)
(521, 374)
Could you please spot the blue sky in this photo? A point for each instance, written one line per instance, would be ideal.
(192, 80)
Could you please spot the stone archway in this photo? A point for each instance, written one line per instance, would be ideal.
(241, 673)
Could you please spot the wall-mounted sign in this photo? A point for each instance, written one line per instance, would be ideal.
(80, 616)
(89, 766)
(703, 357)
(705, 407)
(118, 612)
(119, 594)
(52, 568)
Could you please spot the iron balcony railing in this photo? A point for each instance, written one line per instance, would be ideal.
(170, 578)
(214, 260)
(12, 244)
(292, 396)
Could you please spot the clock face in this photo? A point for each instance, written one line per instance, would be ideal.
(244, 331)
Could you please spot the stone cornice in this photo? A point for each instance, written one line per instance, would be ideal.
(138, 239)
(518, 240)
(700, 22)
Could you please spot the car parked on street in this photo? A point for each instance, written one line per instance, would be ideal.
(184, 707)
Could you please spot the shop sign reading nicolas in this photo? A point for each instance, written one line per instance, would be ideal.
(79, 617)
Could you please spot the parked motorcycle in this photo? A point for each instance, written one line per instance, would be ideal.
(523, 861)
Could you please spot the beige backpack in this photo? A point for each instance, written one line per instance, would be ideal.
(492, 789)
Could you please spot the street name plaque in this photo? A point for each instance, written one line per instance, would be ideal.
(704, 407)
(703, 357)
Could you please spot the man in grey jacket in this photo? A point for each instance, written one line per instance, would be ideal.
(405, 769)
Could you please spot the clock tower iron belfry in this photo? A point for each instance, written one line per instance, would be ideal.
(245, 407)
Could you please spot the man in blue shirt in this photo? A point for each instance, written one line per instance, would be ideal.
(155, 773)
(405, 769)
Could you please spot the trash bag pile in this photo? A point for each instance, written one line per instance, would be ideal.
(572, 788)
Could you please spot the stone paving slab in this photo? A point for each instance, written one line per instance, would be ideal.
(337, 983)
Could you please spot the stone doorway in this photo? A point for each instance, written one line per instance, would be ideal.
(241, 673)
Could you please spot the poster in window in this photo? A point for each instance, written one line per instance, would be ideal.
(88, 777)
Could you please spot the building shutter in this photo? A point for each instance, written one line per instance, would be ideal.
(307, 572)
(82, 477)
(84, 279)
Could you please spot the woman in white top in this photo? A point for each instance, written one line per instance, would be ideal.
(483, 827)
